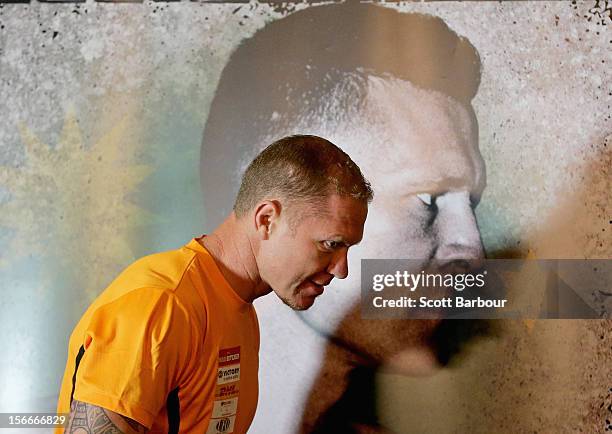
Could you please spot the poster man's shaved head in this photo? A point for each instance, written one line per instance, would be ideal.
(395, 90)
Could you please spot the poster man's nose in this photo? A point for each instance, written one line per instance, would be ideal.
(458, 239)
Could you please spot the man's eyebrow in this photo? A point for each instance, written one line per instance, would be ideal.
(441, 185)
(340, 239)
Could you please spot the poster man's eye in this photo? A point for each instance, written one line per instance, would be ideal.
(425, 198)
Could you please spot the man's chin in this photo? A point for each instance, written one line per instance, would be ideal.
(299, 302)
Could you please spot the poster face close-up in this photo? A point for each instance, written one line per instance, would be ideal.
(475, 134)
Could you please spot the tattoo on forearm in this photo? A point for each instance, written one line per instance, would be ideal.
(91, 419)
(134, 425)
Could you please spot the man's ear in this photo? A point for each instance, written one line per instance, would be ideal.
(267, 214)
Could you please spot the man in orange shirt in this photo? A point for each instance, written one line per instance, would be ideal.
(172, 344)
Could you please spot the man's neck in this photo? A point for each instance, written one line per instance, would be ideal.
(232, 250)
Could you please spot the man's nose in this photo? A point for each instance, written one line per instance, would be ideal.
(338, 265)
(459, 245)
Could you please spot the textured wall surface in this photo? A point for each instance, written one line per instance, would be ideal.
(102, 110)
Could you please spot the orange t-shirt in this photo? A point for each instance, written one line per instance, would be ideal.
(168, 344)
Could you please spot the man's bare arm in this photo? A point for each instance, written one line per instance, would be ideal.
(90, 419)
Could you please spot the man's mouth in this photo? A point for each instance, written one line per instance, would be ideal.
(314, 289)
(319, 287)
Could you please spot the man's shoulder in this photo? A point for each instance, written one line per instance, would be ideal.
(159, 270)
(155, 276)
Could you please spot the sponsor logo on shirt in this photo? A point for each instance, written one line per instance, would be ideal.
(228, 374)
(224, 408)
(229, 356)
(225, 405)
(227, 391)
(222, 425)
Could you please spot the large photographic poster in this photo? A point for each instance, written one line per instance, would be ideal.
(125, 127)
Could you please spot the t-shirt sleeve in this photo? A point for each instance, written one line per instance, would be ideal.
(135, 350)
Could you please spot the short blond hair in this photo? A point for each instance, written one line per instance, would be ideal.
(304, 168)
